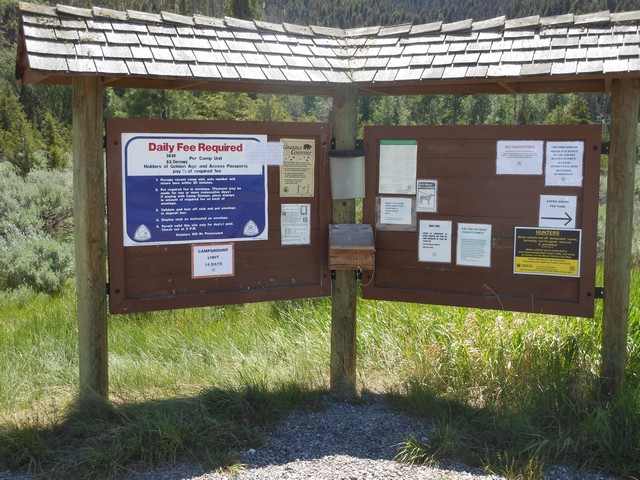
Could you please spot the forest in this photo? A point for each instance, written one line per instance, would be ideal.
(35, 120)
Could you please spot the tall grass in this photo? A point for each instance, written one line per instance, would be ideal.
(510, 392)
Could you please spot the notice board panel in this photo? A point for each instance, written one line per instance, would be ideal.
(206, 213)
(497, 217)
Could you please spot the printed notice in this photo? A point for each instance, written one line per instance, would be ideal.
(564, 164)
(540, 251)
(191, 189)
(395, 210)
(295, 224)
(519, 157)
(265, 153)
(298, 165)
(427, 196)
(474, 245)
(434, 241)
(557, 211)
(214, 260)
(398, 162)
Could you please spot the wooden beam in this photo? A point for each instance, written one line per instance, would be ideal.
(343, 288)
(625, 100)
(89, 218)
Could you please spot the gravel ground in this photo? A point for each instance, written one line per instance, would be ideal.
(344, 442)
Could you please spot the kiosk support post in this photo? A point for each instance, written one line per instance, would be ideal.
(625, 96)
(343, 288)
(89, 218)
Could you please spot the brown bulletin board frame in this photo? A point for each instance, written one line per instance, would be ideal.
(463, 161)
(158, 277)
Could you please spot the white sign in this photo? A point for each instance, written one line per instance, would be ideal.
(265, 153)
(395, 210)
(295, 224)
(427, 196)
(519, 157)
(557, 211)
(212, 260)
(564, 164)
(474, 245)
(434, 241)
(398, 161)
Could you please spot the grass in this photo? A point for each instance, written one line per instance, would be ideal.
(510, 392)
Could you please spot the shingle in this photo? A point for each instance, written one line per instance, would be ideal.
(322, 52)
(141, 52)
(557, 20)
(467, 58)
(591, 67)
(479, 47)
(395, 30)
(588, 41)
(386, 75)
(327, 32)
(251, 73)
(41, 21)
(112, 67)
(425, 28)
(337, 77)
(629, 51)
(295, 75)
(477, 72)
(455, 72)
(144, 16)
(611, 66)
(128, 27)
(274, 74)
(89, 50)
(491, 24)
(432, 73)
(168, 69)
(593, 18)
(625, 28)
(509, 70)
(364, 52)
(526, 22)
(81, 65)
(518, 57)
(536, 69)
(317, 76)
(565, 42)
(362, 76)
(161, 53)
(546, 55)
(375, 41)
(108, 13)
(362, 32)
(82, 25)
(171, 17)
(302, 50)
(554, 32)
(408, 74)
(47, 63)
(416, 49)
(376, 62)
(502, 46)
(271, 27)
(493, 57)
(50, 48)
(567, 68)
(297, 29)
(200, 43)
(399, 62)
(65, 35)
(631, 39)
(122, 38)
(255, 59)
(45, 33)
(239, 23)
(301, 62)
(626, 17)
(116, 52)
(273, 48)
(37, 9)
(249, 36)
(74, 11)
(576, 54)
(164, 41)
(148, 40)
(183, 55)
(207, 56)
(602, 52)
(338, 63)
(440, 60)
(438, 49)
(276, 60)
(456, 26)
(536, 43)
(319, 62)
(136, 68)
(513, 34)
(162, 30)
(421, 60)
(611, 40)
(482, 36)
(233, 58)
(185, 31)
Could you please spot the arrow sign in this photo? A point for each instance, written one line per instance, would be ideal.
(557, 211)
(566, 217)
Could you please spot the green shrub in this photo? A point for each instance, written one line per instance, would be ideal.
(34, 259)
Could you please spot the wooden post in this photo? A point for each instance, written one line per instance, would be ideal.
(619, 232)
(89, 218)
(343, 288)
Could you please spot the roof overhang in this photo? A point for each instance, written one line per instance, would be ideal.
(568, 53)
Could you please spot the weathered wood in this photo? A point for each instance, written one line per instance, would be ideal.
(89, 217)
(343, 288)
(625, 100)
(351, 247)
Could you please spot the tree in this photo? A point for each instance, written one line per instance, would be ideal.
(244, 9)
(54, 145)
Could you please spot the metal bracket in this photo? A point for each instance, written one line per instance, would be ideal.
(599, 293)
(358, 273)
(333, 143)
(604, 148)
(333, 274)
(106, 288)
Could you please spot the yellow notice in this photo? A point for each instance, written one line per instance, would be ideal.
(545, 251)
(298, 166)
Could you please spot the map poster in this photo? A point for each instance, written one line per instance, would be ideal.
(547, 251)
(181, 188)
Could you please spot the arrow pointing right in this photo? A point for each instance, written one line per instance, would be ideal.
(566, 217)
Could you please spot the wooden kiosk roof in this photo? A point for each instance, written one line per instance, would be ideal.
(567, 53)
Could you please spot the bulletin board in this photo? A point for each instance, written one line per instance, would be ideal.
(209, 213)
(497, 217)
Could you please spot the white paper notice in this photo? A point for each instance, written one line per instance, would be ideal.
(264, 153)
(295, 224)
(434, 241)
(212, 260)
(398, 161)
(519, 157)
(395, 210)
(564, 164)
(557, 211)
(474, 244)
(427, 196)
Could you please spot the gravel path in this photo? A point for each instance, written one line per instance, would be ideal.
(344, 442)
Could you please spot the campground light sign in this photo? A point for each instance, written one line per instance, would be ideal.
(192, 189)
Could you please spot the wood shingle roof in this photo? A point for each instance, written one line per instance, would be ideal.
(166, 50)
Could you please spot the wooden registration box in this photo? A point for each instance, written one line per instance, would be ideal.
(351, 247)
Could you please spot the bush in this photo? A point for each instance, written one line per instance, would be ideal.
(34, 259)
